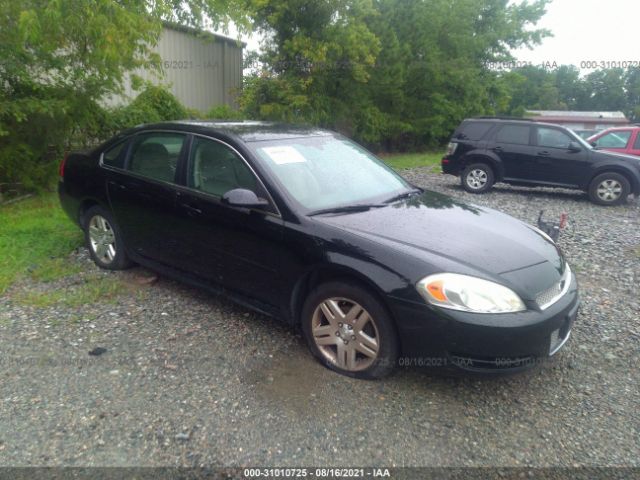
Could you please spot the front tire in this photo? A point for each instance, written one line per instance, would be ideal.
(609, 188)
(349, 331)
(477, 178)
(104, 240)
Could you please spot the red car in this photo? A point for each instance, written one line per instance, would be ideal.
(618, 139)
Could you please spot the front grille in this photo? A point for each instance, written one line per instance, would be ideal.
(551, 295)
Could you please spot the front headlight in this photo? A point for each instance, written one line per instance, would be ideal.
(469, 294)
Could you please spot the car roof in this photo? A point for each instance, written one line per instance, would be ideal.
(514, 120)
(247, 130)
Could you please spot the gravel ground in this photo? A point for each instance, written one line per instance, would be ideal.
(190, 379)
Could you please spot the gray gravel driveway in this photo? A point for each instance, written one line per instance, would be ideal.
(191, 379)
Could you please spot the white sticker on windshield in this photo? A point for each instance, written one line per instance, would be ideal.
(284, 155)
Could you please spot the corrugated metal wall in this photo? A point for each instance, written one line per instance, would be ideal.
(201, 71)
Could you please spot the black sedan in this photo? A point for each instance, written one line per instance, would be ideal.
(304, 225)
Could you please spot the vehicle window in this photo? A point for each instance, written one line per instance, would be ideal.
(552, 138)
(516, 134)
(215, 168)
(636, 146)
(114, 157)
(618, 139)
(155, 155)
(474, 130)
(325, 172)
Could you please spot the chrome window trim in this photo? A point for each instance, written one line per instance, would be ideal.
(231, 147)
(186, 187)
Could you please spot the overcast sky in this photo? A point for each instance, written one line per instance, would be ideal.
(588, 30)
(583, 31)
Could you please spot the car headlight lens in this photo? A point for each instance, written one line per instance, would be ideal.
(469, 294)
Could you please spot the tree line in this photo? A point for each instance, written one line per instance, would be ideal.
(393, 74)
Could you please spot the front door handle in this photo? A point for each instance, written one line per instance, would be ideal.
(119, 186)
(191, 210)
(497, 149)
(544, 153)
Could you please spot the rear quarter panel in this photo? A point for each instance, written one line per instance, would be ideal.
(83, 181)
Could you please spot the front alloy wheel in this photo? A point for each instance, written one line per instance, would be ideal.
(609, 189)
(345, 334)
(349, 330)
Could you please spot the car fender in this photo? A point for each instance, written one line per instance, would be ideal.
(628, 171)
(484, 156)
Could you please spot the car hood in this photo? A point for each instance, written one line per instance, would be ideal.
(479, 238)
(609, 155)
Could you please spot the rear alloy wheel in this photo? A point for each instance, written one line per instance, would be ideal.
(609, 189)
(104, 240)
(477, 178)
(349, 331)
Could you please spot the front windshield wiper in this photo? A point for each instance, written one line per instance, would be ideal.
(359, 207)
(403, 195)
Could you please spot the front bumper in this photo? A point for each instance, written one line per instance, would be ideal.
(480, 342)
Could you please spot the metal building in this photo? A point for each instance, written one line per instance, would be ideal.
(202, 69)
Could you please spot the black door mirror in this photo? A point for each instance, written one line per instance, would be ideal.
(593, 144)
(574, 147)
(241, 197)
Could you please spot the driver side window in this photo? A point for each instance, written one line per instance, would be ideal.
(552, 138)
(214, 168)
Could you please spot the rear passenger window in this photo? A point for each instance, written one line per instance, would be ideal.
(114, 157)
(515, 134)
(473, 130)
(155, 155)
(636, 146)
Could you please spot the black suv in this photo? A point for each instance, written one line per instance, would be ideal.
(522, 152)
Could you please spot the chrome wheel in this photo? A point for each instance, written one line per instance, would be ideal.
(102, 239)
(477, 178)
(345, 334)
(609, 190)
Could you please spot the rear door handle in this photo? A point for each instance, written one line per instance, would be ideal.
(544, 153)
(497, 149)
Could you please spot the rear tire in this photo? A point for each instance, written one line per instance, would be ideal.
(349, 331)
(104, 240)
(477, 178)
(609, 188)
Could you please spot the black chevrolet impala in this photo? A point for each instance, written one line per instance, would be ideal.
(304, 225)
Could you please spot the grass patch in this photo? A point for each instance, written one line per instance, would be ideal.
(35, 236)
(400, 161)
(94, 290)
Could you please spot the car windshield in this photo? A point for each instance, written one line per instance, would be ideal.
(327, 172)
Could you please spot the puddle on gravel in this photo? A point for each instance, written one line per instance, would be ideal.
(292, 381)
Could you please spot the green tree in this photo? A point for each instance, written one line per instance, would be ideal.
(59, 58)
(391, 73)
(607, 90)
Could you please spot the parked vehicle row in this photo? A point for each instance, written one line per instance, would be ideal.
(484, 151)
(619, 139)
(307, 226)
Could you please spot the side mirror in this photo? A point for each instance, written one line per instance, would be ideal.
(574, 147)
(593, 144)
(241, 197)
